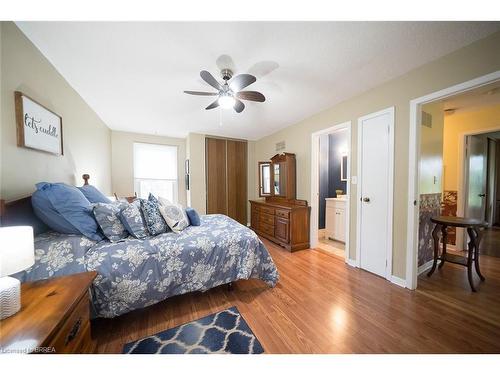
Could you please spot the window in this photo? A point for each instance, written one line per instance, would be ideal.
(155, 170)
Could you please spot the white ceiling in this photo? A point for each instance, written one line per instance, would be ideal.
(473, 100)
(133, 74)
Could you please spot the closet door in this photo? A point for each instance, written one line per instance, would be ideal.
(215, 157)
(237, 180)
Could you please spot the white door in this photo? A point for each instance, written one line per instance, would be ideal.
(476, 164)
(375, 171)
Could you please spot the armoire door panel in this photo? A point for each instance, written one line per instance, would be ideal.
(216, 176)
(237, 180)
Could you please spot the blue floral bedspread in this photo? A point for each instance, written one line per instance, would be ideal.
(136, 273)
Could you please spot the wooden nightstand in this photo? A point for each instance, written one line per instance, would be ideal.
(54, 317)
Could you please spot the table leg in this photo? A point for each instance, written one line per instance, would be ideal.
(444, 235)
(479, 236)
(471, 247)
(435, 237)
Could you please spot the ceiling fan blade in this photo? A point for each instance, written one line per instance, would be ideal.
(213, 105)
(254, 96)
(241, 81)
(208, 78)
(202, 93)
(238, 105)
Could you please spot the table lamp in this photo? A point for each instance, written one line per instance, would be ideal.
(16, 254)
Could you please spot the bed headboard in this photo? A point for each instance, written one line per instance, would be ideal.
(20, 212)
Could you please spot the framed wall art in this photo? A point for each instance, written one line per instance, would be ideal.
(38, 127)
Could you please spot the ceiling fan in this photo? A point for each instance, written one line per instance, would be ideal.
(229, 94)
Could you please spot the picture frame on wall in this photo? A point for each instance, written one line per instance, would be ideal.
(38, 127)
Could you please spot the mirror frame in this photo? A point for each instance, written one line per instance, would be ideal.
(271, 176)
(343, 171)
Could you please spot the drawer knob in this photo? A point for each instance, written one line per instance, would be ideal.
(74, 331)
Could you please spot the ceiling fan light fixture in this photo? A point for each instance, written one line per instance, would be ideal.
(226, 101)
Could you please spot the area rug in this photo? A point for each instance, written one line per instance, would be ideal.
(225, 332)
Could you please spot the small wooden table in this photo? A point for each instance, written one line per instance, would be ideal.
(54, 317)
(473, 227)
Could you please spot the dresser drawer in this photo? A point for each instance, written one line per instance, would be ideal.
(267, 210)
(74, 335)
(282, 213)
(267, 229)
(266, 218)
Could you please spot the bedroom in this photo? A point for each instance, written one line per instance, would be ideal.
(167, 197)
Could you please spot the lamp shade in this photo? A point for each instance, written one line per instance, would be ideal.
(17, 249)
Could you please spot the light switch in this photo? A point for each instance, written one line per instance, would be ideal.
(354, 180)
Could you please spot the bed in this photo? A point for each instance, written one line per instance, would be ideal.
(133, 273)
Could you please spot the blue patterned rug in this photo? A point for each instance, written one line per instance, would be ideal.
(225, 332)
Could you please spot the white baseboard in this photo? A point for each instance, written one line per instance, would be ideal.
(424, 267)
(351, 262)
(398, 281)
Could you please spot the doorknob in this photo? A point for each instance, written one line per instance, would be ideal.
(481, 195)
(366, 199)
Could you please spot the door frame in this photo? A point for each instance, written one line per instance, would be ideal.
(315, 185)
(390, 201)
(462, 177)
(414, 167)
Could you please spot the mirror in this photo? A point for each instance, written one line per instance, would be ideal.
(265, 179)
(277, 177)
(343, 168)
(276, 183)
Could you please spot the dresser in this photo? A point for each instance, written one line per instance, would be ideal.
(280, 217)
(54, 317)
(284, 223)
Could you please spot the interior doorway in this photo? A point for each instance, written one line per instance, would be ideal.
(330, 175)
(456, 153)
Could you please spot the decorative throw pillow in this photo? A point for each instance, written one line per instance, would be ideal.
(65, 209)
(164, 201)
(175, 217)
(108, 217)
(132, 220)
(93, 194)
(152, 216)
(194, 218)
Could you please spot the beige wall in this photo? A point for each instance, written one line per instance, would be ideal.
(487, 118)
(196, 154)
(431, 150)
(472, 61)
(87, 140)
(122, 160)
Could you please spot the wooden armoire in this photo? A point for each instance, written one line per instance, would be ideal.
(226, 177)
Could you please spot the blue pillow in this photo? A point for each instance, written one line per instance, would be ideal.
(193, 216)
(152, 216)
(44, 210)
(107, 216)
(133, 221)
(65, 209)
(93, 194)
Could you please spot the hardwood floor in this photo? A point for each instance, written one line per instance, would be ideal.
(321, 305)
(490, 243)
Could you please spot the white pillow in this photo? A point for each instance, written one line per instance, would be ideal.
(175, 216)
(164, 202)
